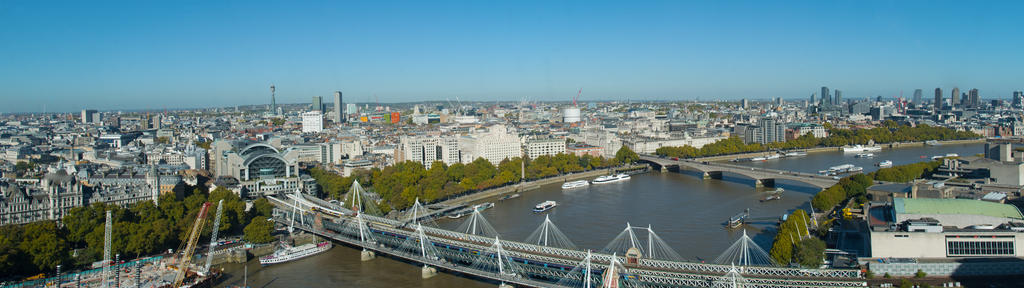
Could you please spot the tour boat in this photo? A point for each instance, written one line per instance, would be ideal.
(865, 155)
(545, 206)
(932, 143)
(856, 169)
(289, 253)
(575, 184)
(885, 164)
(483, 206)
(611, 178)
(860, 148)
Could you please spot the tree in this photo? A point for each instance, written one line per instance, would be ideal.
(43, 245)
(258, 231)
(626, 155)
(810, 253)
(10, 254)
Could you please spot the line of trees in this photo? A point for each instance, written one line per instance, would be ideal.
(888, 132)
(399, 185)
(77, 240)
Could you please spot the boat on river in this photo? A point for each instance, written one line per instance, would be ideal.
(860, 149)
(774, 195)
(611, 178)
(483, 206)
(865, 155)
(884, 164)
(544, 206)
(509, 196)
(575, 184)
(289, 253)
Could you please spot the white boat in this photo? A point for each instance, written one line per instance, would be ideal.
(865, 155)
(855, 169)
(772, 157)
(758, 158)
(796, 154)
(611, 178)
(575, 184)
(289, 253)
(545, 206)
(860, 148)
(885, 164)
(932, 143)
(483, 206)
(952, 155)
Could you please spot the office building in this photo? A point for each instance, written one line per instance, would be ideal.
(318, 104)
(351, 108)
(814, 99)
(495, 145)
(338, 114)
(90, 116)
(955, 101)
(839, 98)
(312, 122)
(426, 149)
(973, 100)
(938, 99)
(548, 146)
(917, 97)
(744, 104)
(1018, 99)
(825, 97)
(766, 131)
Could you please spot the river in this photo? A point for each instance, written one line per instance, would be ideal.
(686, 212)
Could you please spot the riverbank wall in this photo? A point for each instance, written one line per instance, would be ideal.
(532, 185)
(895, 145)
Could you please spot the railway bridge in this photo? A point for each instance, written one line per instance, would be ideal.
(537, 264)
(760, 176)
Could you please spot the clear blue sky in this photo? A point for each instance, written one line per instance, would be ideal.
(171, 54)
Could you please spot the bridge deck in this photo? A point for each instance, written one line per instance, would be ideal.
(545, 265)
(756, 173)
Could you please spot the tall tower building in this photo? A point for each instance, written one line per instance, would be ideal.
(938, 99)
(956, 97)
(273, 100)
(825, 97)
(814, 99)
(917, 97)
(839, 98)
(338, 114)
(972, 98)
(318, 104)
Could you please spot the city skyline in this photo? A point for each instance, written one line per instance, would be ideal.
(144, 56)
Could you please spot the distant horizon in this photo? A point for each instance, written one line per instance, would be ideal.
(127, 55)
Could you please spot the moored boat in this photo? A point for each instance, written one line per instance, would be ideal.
(545, 206)
(288, 253)
(860, 148)
(885, 164)
(575, 184)
(483, 206)
(865, 155)
(509, 196)
(611, 178)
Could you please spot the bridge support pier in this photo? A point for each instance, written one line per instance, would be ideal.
(427, 272)
(367, 255)
(712, 175)
(758, 183)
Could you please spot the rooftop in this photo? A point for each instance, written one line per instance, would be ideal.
(955, 206)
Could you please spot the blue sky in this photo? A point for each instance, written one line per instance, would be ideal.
(112, 55)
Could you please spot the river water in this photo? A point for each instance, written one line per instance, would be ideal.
(685, 211)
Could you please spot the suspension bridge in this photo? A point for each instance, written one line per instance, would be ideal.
(761, 176)
(637, 257)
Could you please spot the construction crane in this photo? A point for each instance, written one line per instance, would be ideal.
(190, 248)
(213, 237)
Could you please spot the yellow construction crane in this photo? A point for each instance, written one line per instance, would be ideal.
(193, 239)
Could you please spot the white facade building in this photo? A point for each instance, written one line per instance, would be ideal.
(426, 149)
(539, 147)
(312, 122)
(495, 145)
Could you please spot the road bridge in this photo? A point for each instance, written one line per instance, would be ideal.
(529, 265)
(761, 176)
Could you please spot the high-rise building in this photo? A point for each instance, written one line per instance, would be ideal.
(973, 100)
(938, 99)
(1018, 99)
(338, 114)
(744, 104)
(778, 102)
(917, 97)
(956, 98)
(318, 104)
(273, 100)
(839, 98)
(814, 99)
(768, 130)
(825, 97)
(351, 108)
(312, 122)
(89, 116)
